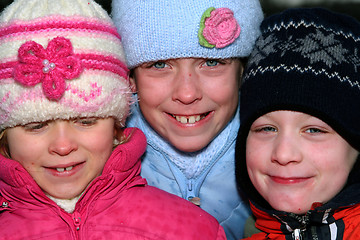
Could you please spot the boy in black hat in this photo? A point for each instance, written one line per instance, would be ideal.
(299, 139)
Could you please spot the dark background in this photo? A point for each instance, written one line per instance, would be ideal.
(272, 6)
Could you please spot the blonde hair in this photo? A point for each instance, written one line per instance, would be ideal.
(120, 137)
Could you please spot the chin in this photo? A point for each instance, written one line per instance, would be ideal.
(189, 145)
(67, 195)
(189, 149)
(291, 208)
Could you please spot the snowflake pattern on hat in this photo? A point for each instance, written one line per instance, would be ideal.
(315, 47)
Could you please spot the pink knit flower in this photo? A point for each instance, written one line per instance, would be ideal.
(218, 28)
(50, 66)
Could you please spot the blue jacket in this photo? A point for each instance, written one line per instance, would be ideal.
(215, 185)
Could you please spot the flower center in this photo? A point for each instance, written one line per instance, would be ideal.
(48, 66)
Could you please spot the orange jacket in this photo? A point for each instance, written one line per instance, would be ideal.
(322, 223)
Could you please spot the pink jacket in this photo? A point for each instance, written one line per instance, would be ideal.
(117, 205)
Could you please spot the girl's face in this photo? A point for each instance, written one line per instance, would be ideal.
(294, 160)
(189, 101)
(62, 156)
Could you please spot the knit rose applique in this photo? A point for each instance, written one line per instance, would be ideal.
(218, 28)
(50, 66)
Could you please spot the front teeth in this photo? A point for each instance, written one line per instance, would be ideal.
(63, 169)
(191, 119)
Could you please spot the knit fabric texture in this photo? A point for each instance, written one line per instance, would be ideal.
(158, 30)
(305, 60)
(60, 59)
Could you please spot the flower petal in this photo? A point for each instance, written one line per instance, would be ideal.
(58, 48)
(28, 75)
(53, 85)
(70, 67)
(31, 52)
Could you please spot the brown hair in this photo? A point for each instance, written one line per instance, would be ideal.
(4, 146)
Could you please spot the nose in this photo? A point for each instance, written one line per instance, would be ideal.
(63, 139)
(187, 88)
(286, 150)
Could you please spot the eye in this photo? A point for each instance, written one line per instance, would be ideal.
(35, 126)
(211, 63)
(159, 65)
(266, 129)
(86, 121)
(314, 130)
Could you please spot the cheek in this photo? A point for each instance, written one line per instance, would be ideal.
(151, 88)
(149, 96)
(258, 158)
(25, 152)
(102, 145)
(99, 140)
(227, 101)
(222, 90)
(254, 158)
(333, 159)
(256, 150)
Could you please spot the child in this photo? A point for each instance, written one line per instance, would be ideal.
(65, 95)
(186, 60)
(300, 127)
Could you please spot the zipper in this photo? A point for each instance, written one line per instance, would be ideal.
(4, 205)
(77, 222)
(304, 221)
(190, 194)
(297, 234)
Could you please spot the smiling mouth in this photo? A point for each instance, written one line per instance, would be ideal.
(189, 119)
(64, 169)
(289, 180)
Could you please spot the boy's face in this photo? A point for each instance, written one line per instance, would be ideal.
(63, 157)
(189, 101)
(294, 160)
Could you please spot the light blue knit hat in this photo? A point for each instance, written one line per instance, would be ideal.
(153, 30)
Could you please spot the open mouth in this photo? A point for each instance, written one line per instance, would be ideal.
(189, 119)
(63, 169)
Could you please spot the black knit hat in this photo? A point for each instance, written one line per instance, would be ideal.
(306, 60)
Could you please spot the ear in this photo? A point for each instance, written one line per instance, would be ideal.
(132, 83)
(115, 131)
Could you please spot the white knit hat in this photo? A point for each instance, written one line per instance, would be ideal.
(60, 59)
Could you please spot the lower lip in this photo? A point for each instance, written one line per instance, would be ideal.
(288, 181)
(66, 173)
